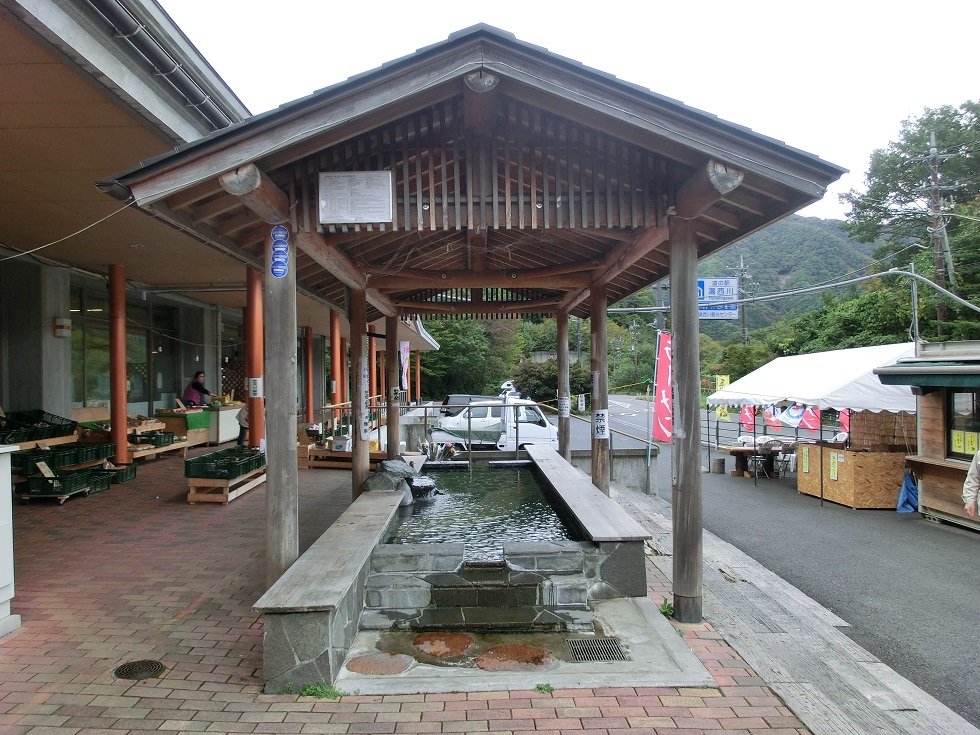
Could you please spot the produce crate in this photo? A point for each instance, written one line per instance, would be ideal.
(156, 438)
(87, 453)
(61, 485)
(23, 462)
(225, 464)
(99, 481)
(104, 450)
(14, 432)
(122, 472)
(47, 424)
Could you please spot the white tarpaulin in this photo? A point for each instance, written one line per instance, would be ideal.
(839, 379)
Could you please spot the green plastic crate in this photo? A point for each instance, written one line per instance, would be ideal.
(61, 484)
(122, 472)
(47, 424)
(99, 481)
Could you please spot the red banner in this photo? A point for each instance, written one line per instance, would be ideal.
(810, 420)
(663, 405)
(771, 415)
(844, 419)
(746, 419)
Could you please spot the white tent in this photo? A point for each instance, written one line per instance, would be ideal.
(838, 379)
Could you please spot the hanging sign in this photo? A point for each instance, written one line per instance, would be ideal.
(581, 402)
(405, 351)
(350, 197)
(279, 266)
(564, 407)
(254, 387)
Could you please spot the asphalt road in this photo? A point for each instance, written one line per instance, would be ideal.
(909, 587)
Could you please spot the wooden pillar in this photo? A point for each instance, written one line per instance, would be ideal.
(282, 476)
(308, 340)
(391, 373)
(117, 362)
(600, 389)
(335, 356)
(382, 373)
(686, 491)
(564, 389)
(359, 358)
(372, 358)
(418, 375)
(344, 372)
(254, 356)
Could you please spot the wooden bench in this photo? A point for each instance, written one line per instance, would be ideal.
(310, 457)
(600, 518)
(311, 613)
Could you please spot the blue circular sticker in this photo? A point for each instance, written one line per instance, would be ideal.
(279, 269)
(280, 233)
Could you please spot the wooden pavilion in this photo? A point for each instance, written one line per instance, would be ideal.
(484, 176)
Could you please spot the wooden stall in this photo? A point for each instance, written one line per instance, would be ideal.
(946, 378)
(868, 473)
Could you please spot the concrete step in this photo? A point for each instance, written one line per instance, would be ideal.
(525, 619)
(479, 589)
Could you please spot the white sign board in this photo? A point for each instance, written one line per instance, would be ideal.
(564, 407)
(352, 197)
(600, 423)
(716, 297)
(254, 387)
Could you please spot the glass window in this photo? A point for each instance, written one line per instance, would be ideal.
(963, 423)
(478, 412)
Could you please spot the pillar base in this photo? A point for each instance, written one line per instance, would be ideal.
(687, 609)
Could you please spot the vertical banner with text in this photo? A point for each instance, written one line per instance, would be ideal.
(663, 404)
(405, 352)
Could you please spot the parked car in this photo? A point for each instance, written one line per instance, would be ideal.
(496, 422)
(456, 402)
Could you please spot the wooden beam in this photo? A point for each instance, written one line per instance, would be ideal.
(618, 260)
(708, 184)
(488, 307)
(408, 281)
(257, 192)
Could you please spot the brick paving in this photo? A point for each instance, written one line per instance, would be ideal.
(136, 573)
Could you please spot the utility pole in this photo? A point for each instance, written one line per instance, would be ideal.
(942, 260)
(743, 276)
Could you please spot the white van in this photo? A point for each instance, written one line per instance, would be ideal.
(497, 423)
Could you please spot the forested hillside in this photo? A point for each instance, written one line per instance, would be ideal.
(793, 253)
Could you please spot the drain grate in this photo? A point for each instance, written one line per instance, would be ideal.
(145, 669)
(596, 649)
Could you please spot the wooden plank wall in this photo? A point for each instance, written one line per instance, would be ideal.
(883, 432)
(536, 171)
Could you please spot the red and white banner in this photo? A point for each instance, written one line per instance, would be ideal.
(771, 414)
(792, 415)
(844, 419)
(746, 418)
(663, 404)
(810, 420)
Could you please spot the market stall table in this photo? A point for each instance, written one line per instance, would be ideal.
(766, 455)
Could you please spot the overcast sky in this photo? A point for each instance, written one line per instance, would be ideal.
(832, 78)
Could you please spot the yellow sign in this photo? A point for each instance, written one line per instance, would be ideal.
(721, 381)
(972, 442)
(834, 457)
(721, 413)
(805, 459)
(956, 442)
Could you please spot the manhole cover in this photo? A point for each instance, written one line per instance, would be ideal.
(596, 649)
(145, 669)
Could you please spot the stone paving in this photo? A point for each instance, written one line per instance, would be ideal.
(136, 573)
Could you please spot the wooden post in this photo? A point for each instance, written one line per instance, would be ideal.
(344, 372)
(686, 492)
(600, 389)
(361, 456)
(564, 390)
(254, 356)
(383, 373)
(117, 362)
(282, 483)
(335, 356)
(372, 359)
(308, 339)
(418, 375)
(391, 373)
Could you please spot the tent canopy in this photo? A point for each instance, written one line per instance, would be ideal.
(838, 379)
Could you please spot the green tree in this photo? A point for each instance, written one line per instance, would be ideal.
(460, 363)
(539, 380)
